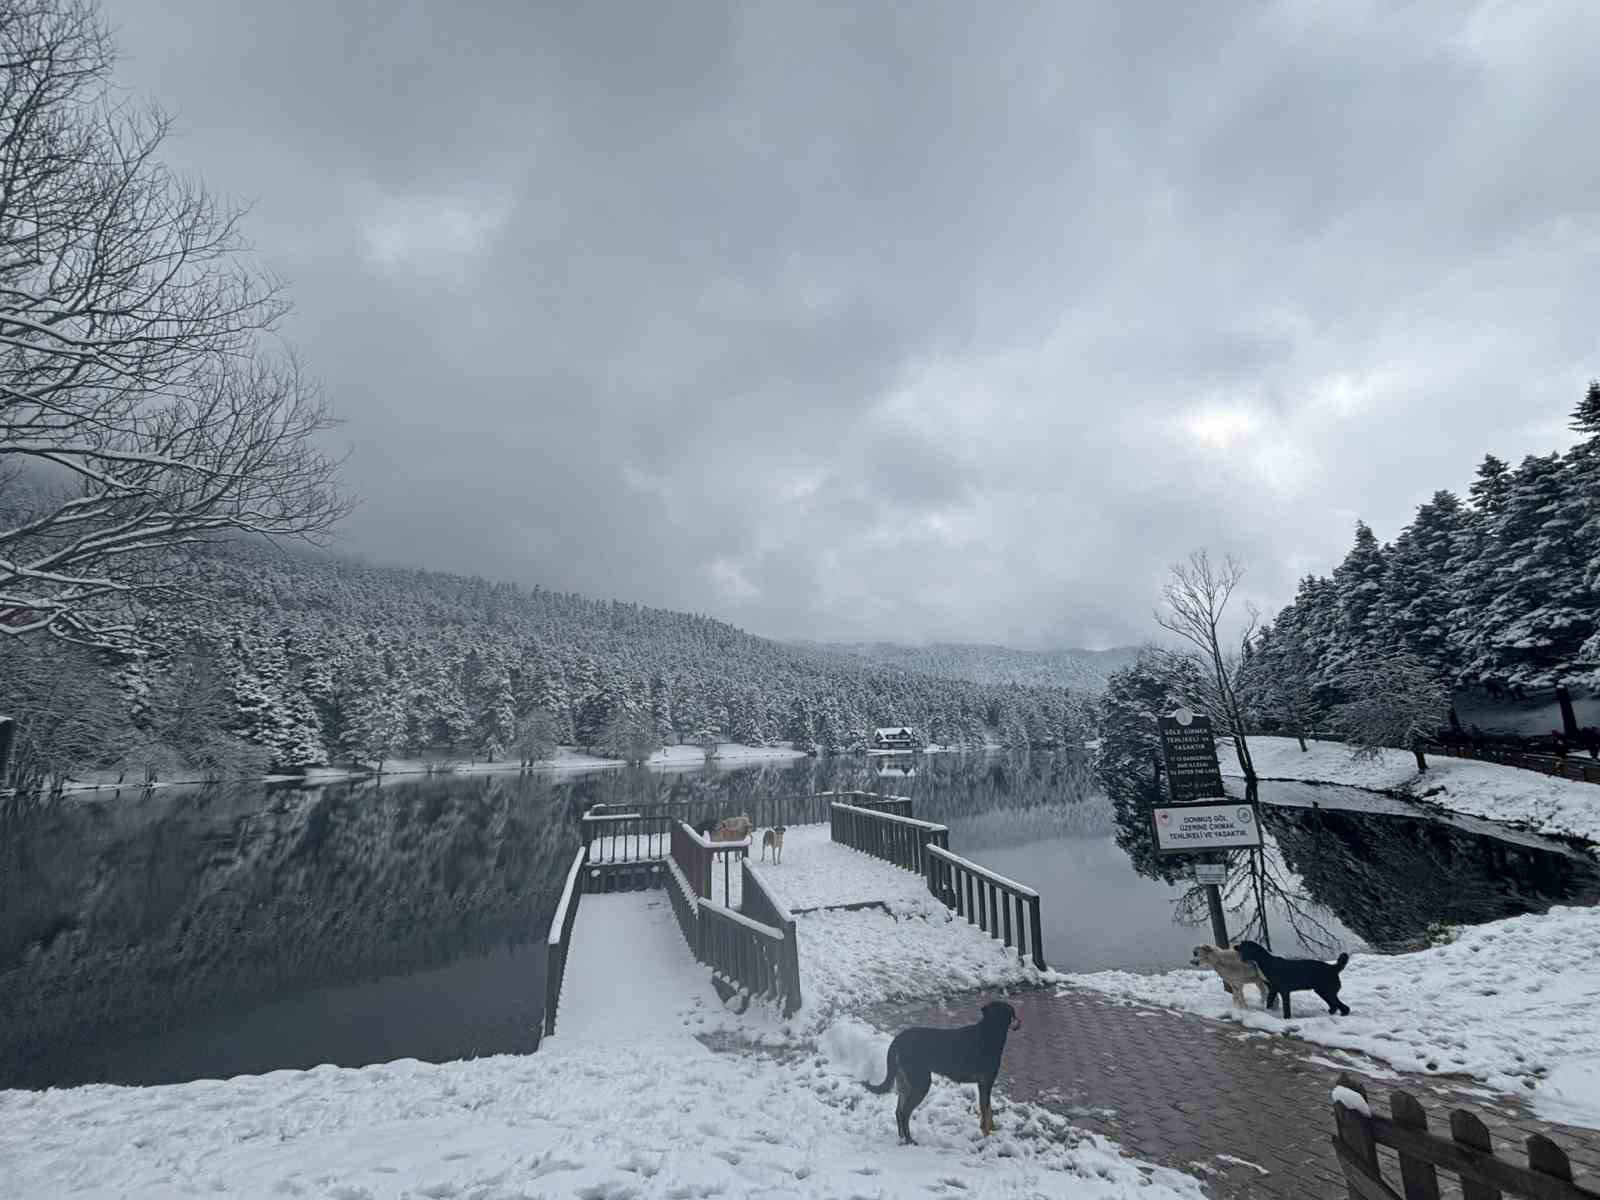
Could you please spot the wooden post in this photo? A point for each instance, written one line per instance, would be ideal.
(1036, 932)
(1419, 1176)
(1472, 1134)
(1354, 1139)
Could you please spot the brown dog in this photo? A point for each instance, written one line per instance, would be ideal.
(733, 829)
(772, 840)
(970, 1054)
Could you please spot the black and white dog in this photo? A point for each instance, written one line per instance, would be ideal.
(1285, 975)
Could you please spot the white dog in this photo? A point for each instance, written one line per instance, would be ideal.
(1236, 973)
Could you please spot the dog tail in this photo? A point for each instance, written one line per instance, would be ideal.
(1343, 958)
(888, 1078)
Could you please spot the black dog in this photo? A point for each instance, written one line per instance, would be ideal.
(970, 1054)
(1285, 975)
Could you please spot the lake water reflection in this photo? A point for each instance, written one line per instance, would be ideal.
(181, 934)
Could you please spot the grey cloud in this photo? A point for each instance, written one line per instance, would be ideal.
(874, 320)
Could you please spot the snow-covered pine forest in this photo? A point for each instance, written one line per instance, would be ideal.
(301, 660)
(1501, 590)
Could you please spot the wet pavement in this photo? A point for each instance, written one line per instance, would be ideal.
(1248, 1112)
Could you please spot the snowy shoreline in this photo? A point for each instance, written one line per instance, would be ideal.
(1545, 804)
(567, 759)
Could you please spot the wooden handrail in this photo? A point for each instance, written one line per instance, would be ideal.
(559, 940)
(1011, 885)
(898, 820)
(988, 900)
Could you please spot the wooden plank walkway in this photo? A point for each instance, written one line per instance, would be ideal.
(630, 976)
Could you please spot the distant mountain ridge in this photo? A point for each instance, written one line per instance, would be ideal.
(991, 666)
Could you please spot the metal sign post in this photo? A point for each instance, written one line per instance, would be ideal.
(1201, 817)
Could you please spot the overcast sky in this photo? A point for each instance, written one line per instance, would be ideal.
(905, 320)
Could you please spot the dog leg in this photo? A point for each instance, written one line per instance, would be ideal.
(1286, 1006)
(985, 1112)
(916, 1091)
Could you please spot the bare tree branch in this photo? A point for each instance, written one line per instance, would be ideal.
(131, 356)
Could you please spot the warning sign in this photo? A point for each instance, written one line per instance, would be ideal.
(1191, 827)
(1189, 749)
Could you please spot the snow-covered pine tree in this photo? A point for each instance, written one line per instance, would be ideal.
(1358, 588)
(1418, 594)
(1538, 613)
(497, 716)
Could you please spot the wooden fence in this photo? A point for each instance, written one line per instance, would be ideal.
(755, 951)
(698, 859)
(900, 840)
(1467, 1153)
(559, 941)
(1001, 907)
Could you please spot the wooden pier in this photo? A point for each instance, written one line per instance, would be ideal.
(738, 918)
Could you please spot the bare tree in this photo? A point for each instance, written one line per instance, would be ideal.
(1396, 701)
(535, 738)
(631, 737)
(137, 402)
(69, 717)
(1196, 597)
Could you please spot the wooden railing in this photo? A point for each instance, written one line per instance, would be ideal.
(763, 811)
(899, 806)
(1467, 1153)
(900, 840)
(760, 902)
(628, 836)
(754, 953)
(698, 857)
(748, 955)
(1001, 907)
(559, 941)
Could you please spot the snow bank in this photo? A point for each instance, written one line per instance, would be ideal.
(664, 1119)
(1544, 802)
(1512, 1003)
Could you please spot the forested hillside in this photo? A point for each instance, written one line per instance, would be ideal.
(1501, 590)
(1080, 670)
(302, 659)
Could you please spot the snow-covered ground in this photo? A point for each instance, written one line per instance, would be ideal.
(665, 1118)
(1544, 802)
(1512, 1003)
(629, 1106)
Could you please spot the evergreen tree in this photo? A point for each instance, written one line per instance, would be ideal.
(1540, 611)
(1358, 584)
(1419, 593)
